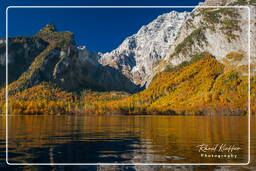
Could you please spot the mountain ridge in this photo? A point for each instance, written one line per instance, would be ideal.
(137, 54)
(217, 31)
(64, 64)
(180, 63)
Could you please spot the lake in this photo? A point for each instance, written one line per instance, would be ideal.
(124, 139)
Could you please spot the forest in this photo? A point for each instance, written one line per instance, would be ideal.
(202, 86)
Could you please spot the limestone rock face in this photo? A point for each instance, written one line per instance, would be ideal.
(137, 55)
(219, 31)
(175, 37)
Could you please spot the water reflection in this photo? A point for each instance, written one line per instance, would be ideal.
(90, 139)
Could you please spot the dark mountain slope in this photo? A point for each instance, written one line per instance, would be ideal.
(51, 56)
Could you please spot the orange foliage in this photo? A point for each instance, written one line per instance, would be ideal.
(204, 86)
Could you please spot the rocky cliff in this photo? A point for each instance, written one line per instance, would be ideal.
(175, 37)
(21, 53)
(53, 56)
(219, 31)
(138, 54)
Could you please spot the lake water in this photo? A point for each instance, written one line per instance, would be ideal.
(123, 139)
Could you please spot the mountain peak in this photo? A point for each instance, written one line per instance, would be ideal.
(49, 27)
(137, 55)
(47, 31)
(52, 36)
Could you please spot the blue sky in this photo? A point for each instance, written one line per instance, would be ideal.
(99, 29)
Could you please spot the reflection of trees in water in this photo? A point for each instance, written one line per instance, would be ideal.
(120, 138)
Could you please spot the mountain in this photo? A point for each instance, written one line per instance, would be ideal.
(180, 63)
(220, 31)
(138, 54)
(53, 56)
(202, 86)
(174, 37)
(22, 51)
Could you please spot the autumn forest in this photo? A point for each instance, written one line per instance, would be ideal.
(200, 87)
